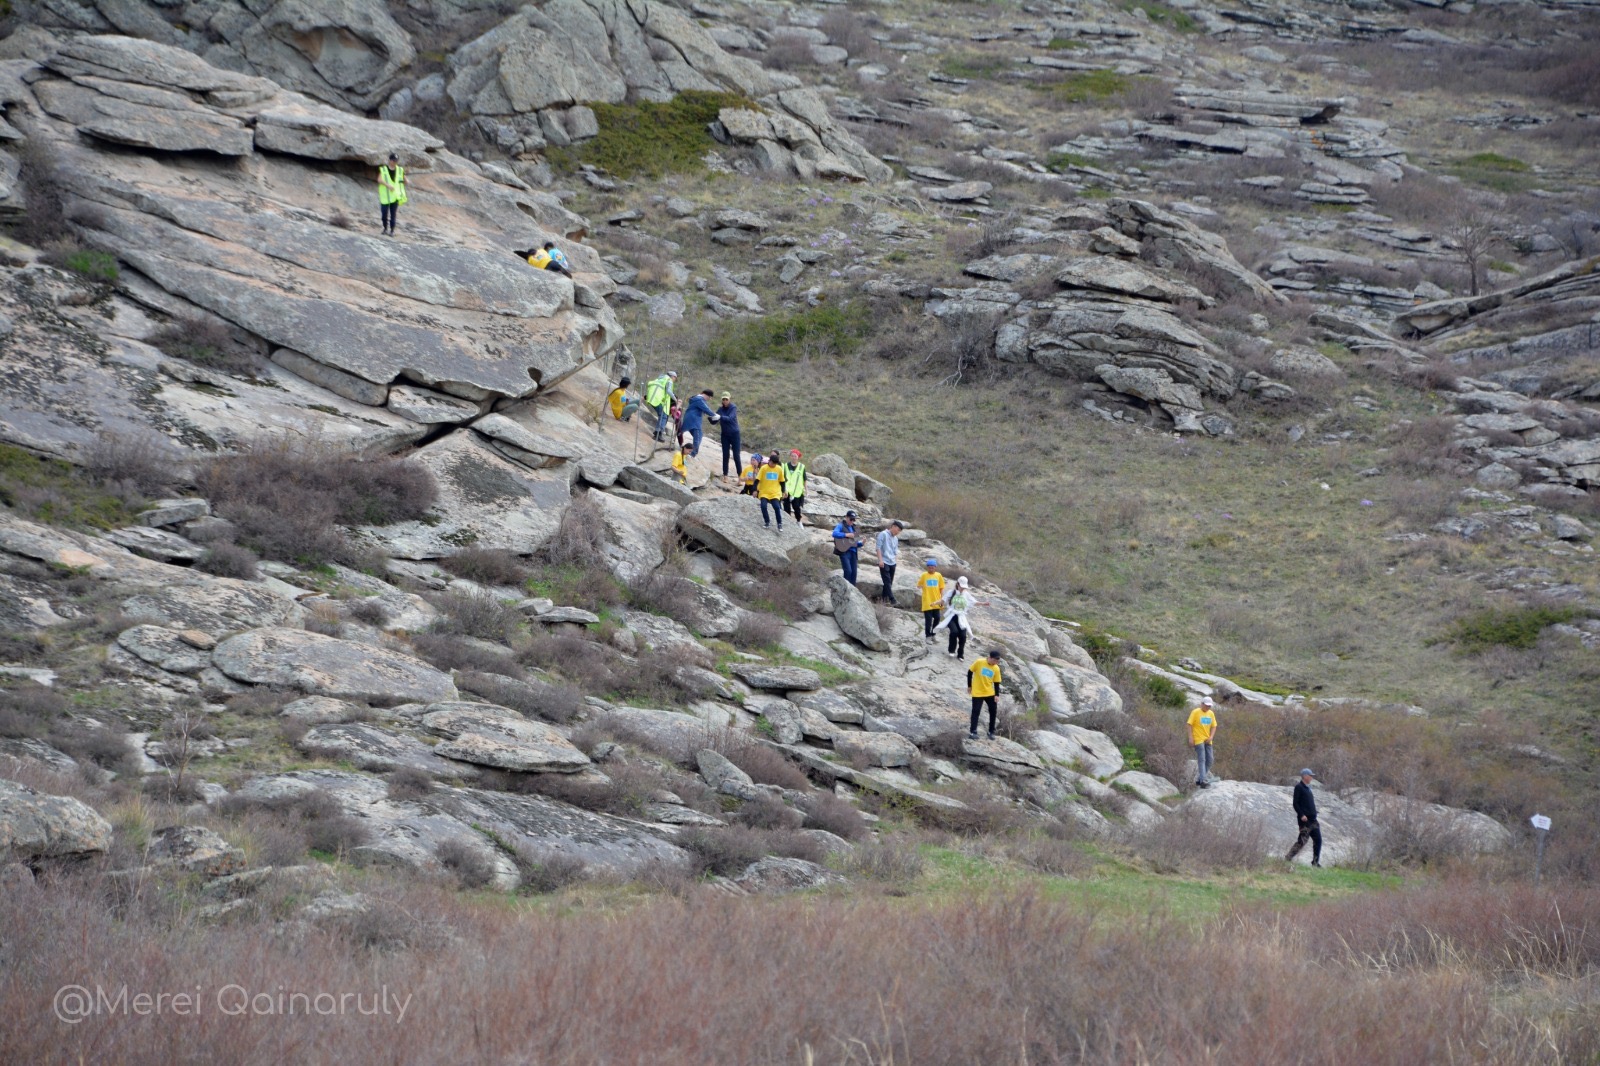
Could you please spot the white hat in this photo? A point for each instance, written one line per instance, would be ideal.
(1207, 702)
(961, 582)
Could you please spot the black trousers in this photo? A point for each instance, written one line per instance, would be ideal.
(388, 211)
(730, 450)
(795, 505)
(886, 574)
(958, 639)
(930, 618)
(977, 705)
(1308, 831)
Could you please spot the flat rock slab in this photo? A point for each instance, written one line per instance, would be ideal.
(379, 750)
(1085, 750)
(327, 666)
(731, 527)
(318, 710)
(774, 874)
(834, 706)
(876, 749)
(1001, 756)
(220, 605)
(1148, 787)
(163, 648)
(602, 842)
(771, 678)
(1103, 273)
(174, 512)
(38, 825)
(494, 736)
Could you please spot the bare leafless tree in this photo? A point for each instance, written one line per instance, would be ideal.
(1476, 228)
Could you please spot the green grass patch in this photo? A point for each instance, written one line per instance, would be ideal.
(101, 266)
(1060, 161)
(1162, 15)
(1517, 627)
(1503, 173)
(1162, 692)
(973, 65)
(831, 329)
(56, 493)
(1082, 86)
(649, 139)
(1066, 44)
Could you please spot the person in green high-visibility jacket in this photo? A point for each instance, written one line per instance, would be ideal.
(794, 487)
(659, 394)
(391, 192)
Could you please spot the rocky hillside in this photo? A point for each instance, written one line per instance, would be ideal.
(319, 554)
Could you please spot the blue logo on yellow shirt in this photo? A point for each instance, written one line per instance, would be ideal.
(987, 671)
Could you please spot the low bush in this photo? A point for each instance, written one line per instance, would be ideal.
(39, 180)
(827, 330)
(650, 139)
(545, 870)
(728, 850)
(471, 865)
(893, 860)
(55, 492)
(368, 610)
(206, 342)
(449, 652)
(317, 820)
(1512, 627)
(837, 815)
(534, 699)
(765, 766)
(987, 812)
(1193, 841)
(757, 631)
(487, 566)
(476, 614)
(768, 812)
(96, 266)
(229, 560)
(408, 783)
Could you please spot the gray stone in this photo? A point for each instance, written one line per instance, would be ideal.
(1565, 527)
(318, 710)
(774, 875)
(773, 678)
(164, 649)
(875, 749)
(639, 479)
(1497, 476)
(833, 705)
(833, 467)
(36, 825)
(334, 380)
(1001, 756)
(219, 605)
(1085, 750)
(854, 614)
(370, 747)
(731, 527)
(1303, 361)
(38, 751)
(429, 407)
(724, 777)
(1123, 278)
(1156, 386)
(159, 544)
(781, 717)
(960, 192)
(1148, 787)
(193, 849)
(327, 666)
(173, 512)
(870, 490)
(494, 736)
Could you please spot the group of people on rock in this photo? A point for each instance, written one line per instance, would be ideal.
(1202, 723)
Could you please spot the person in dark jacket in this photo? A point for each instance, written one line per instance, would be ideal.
(699, 407)
(1305, 812)
(727, 417)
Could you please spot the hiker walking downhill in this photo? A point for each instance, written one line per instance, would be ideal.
(847, 545)
(888, 545)
(693, 418)
(622, 405)
(794, 487)
(983, 682)
(769, 490)
(391, 192)
(931, 584)
(1305, 813)
(1202, 730)
(659, 397)
(726, 416)
(957, 601)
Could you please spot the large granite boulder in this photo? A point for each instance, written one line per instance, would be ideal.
(731, 527)
(494, 736)
(854, 615)
(35, 825)
(380, 750)
(327, 666)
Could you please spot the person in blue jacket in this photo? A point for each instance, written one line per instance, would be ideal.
(727, 417)
(699, 407)
(847, 545)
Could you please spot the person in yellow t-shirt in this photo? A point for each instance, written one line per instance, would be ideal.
(769, 490)
(983, 682)
(931, 583)
(622, 405)
(747, 476)
(1202, 730)
(679, 467)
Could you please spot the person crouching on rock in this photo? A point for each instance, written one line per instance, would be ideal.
(747, 476)
(622, 404)
(557, 259)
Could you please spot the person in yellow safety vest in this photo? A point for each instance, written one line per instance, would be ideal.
(391, 192)
(769, 490)
(794, 486)
(931, 584)
(983, 682)
(658, 396)
(622, 405)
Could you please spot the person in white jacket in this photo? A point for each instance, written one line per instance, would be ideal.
(956, 601)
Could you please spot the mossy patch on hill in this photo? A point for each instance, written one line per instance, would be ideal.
(1162, 15)
(1517, 627)
(1085, 85)
(649, 139)
(57, 493)
(831, 329)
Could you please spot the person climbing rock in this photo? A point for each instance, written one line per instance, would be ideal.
(957, 600)
(1202, 730)
(931, 584)
(847, 545)
(659, 398)
(794, 473)
(693, 418)
(983, 682)
(391, 192)
(679, 467)
(1305, 812)
(557, 259)
(726, 416)
(622, 405)
(769, 490)
(888, 545)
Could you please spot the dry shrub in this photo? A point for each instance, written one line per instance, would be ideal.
(654, 677)
(289, 501)
(837, 815)
(229, 560)
(865, 976)
(316, 819)
(476, 614)
(40, 182)
(892, 860)
(545, 870)
(1053, 855)
(408, 783)
(665, 593)
(764, 765)
(470, 865)
(206, 342)
(787, 51)
(580, 538)
(1421, 502)
(782, 592)
(979, 240)
(143, 463)
(534, 699)
(487, 566)
(768, 812)
(988, 812)
(728, 850)
(757, 631)
(850, 31)
(259, 702)
(1194, 842)
(458, 653)
(1426, 445)
(368, 610)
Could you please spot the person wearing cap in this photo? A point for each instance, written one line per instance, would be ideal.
(888, 545)
(1305, 812)
(931, 584)
(726, 416)
(747, 476)
(794, 488)
(957, 600)
(769, 490)
(659, 397)
(847, 545)
(622, 405)
(983, 682)
(1202, 730)
(391, 192)
(699, 407)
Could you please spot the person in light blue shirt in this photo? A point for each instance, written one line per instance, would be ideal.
(888, 543)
